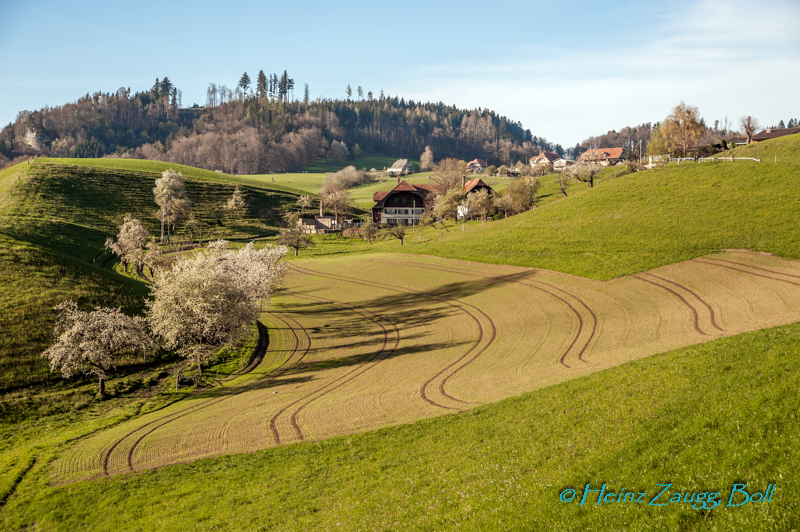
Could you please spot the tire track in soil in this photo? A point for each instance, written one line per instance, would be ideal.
(380, 355)
(705, 303)
(752, 273)
(176, 415)
(447, 301)
(695, 314)
(754, 268)
(593, 333)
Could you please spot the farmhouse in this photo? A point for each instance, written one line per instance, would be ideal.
(400, 167)
(765, 135)
(602, 156)
(475, 185)
(317, 225)
(545, 158)
(477, 165)
(403, 205)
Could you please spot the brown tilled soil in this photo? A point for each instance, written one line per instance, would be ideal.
(365, 342)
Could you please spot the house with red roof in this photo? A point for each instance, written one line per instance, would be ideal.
(477, 165)
(602, 156)
(545, 158)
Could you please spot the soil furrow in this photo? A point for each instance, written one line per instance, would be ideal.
(695, 315)
(705, 303)
(753, 267)
(447, 301)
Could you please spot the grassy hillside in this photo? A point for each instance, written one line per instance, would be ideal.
(498, 467)
(157, 167)
(54, 220)
(379, 162)
(644, 220)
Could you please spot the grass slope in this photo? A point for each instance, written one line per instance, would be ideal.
(644, 220)
(54, 220)
(700, 418)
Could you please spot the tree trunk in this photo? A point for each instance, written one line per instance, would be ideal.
(296, 250)
(101, 392)
(125, 266)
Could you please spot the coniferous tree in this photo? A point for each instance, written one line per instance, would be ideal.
(261, 85)
(166, 88)
(244, 82)
(305, 94)
(349, 91)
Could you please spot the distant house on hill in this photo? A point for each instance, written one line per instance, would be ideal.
(400, 167)
(765, 135)
(403, 205)
(477, 165)
(545, 158)
(468, 187)
(602, 156)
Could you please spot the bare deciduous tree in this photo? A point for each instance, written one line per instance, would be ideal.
(426, 160)
(448, 174)
(131, 240)
(92, 342)
(208, 299)
(682, 128)
(397, 231)
(295, 239)
(339, 202)
(523, 192)
(749, 126)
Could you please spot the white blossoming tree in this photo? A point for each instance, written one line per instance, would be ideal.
(130, 243)
(92, 342)
(169, 188)
(236, 203)
(208, 300)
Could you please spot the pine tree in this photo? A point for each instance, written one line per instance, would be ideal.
(305, 94)
(360, 93)
(261, 85)
(166, 88)
(349, 91)
(244, 82)
(780, 125)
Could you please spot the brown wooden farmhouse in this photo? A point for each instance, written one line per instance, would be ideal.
(405, 204)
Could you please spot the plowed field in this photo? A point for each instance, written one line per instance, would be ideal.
(364, 342)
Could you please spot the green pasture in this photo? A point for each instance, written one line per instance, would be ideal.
(323, 165)
(701, 419)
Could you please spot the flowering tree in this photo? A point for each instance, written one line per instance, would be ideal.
(208, 300)
(169, 188)
(236, 204)
(130, 242)
(91, 342)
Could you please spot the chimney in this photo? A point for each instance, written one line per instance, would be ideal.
(320, 207)
(463, 181)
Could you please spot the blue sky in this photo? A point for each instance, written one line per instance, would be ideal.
(566, 70)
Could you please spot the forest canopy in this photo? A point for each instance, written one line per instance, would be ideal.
(263, 129)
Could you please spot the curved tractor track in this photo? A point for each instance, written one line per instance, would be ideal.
(362, 342)
(446, 374)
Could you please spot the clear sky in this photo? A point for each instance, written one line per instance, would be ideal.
(565, 69)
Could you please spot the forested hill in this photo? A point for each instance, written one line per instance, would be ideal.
(264, 130)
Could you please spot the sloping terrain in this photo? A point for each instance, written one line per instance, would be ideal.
(357, 349)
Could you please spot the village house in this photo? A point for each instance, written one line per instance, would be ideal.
(545, 158)
(477, 165)
(323, 224)
(602, 156)
(400, 167)
(765, 135)
(403, 205)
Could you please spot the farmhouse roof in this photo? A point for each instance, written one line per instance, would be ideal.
(400, 163)
(475, 183)
(404, 186)
(601, 154)
(550, 156)
(479, 162)
(775, 133)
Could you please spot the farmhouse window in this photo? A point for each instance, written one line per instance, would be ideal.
(404, 200)
(396, 199)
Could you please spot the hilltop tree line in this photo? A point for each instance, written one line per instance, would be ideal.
(260, 126)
